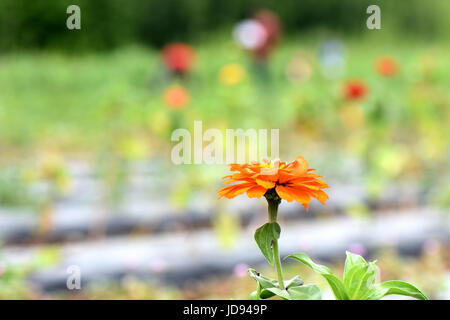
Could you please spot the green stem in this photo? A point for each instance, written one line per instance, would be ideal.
(276, 258)
(274, 201)
(273, 209)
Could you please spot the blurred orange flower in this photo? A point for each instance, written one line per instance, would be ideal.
(178, 57)
(291, 181)
(386, 66)
(355, 89)
(176, 97)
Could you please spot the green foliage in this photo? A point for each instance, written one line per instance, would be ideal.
(12, 282)
(359, 280)
(335, 284)
(396, 287)
(294, 288)
(110, 23)
(13, 191)
(264, 236)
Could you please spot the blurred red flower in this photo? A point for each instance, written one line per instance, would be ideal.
(272, 25)
(355, 89)
(178, 57)
(386, 66)
(176, 97)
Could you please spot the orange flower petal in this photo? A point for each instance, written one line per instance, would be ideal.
(321, 196)
(300, 195)
(284, 177)
(265, 184)
(234, 190)
(299, 166)
(256, 192)
(284, 193)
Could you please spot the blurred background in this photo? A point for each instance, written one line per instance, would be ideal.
(86, 118)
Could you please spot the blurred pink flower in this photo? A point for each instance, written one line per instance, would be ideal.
(240, 270)
(158, 265)
(357, 248)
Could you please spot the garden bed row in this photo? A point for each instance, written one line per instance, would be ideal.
(183, 257)
(83, 213)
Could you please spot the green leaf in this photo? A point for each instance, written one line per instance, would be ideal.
(276, 230)
(254, 295)
(336, 285)
(360, 280)
(359, 276)
(262, 280)
(308, 292)
(262, 284)
(265, 283)
(281, 293)
(266, 294)
(267, 288)
(294, 282)
(352, 260)
(396, 287)
(264, 236)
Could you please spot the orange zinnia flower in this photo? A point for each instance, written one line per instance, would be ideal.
(386, 66)
(176, 97)
(290, 181)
